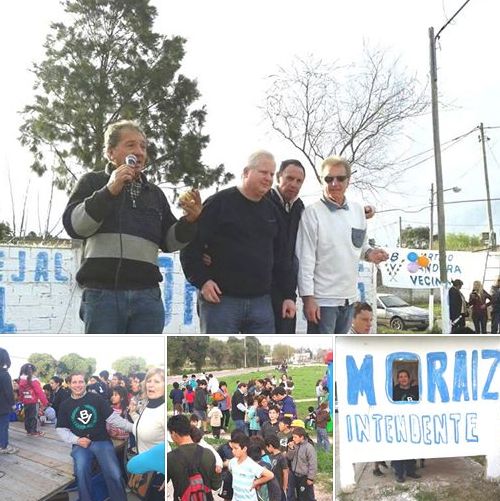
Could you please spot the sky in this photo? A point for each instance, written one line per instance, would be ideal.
(233, 47)
(105, 349)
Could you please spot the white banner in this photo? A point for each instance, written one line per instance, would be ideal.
(453, 410)
(419, 268)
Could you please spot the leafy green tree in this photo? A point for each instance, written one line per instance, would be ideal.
(106, 64)
(463, 242)
(282, 352)
(76, 363)
(176, 356)
(255, 353)
(45, 365)
(6, 232)
(128, 365)
(415, 237)
(236, 354)
(196, 348)
(217, 352)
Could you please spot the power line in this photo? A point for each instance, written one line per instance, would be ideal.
(445, 203)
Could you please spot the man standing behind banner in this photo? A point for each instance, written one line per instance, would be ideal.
(240, 230)
(331, 240)
(124, 219)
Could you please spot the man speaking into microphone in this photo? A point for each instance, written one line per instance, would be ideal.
(123, 220)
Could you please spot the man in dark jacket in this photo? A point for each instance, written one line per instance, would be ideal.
(200, 404)
(239, 407)
(186, 455)
(124, 220)
(458, 306)
(285, 196)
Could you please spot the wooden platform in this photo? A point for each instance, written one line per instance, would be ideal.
(42, 468)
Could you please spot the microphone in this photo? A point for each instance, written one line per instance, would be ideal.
(131, 160)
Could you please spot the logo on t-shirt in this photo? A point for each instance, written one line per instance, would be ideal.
(84, 417)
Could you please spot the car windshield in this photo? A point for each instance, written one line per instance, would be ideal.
(393, 302)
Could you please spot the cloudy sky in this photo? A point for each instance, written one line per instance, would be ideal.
(232, 48)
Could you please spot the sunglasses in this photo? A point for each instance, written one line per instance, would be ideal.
(330, 179)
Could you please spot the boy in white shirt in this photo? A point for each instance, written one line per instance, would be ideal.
(247, 474)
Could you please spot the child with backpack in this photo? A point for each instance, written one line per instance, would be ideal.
(31, 396)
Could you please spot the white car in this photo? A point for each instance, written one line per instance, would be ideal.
(399, 315)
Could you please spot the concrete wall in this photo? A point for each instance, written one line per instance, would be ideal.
(39, 293)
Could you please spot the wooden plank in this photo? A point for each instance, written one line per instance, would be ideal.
(29, 481)
(42, 467)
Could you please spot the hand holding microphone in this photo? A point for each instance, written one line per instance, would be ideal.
(123, 175)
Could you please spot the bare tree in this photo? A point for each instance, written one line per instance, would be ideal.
(355, 111)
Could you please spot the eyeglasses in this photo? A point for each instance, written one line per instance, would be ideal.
(330, 179)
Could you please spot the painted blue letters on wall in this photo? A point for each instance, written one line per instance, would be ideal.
(58, 260)
(167, 263)
(360, 380)
(495, 354)
(435, 376)
(42, 267)
(22, 268)
(4, 328)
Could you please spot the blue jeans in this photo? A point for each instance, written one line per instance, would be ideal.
(106, 311)
(233, 315)
(334, 320)
(404, 466)
(240, 424)
(4, 431)
(104, 452)
(323, 442)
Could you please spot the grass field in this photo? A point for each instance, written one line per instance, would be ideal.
(304, 379)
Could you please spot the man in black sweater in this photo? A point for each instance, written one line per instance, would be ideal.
(124, 219)
(241, 230)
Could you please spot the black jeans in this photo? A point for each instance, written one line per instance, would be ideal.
(225, 418)
(31, 418)
(303, 491)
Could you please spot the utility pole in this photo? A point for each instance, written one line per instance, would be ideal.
(493, 240)
(431, 227)
(443, 275)
(400, 232)
(245, 352)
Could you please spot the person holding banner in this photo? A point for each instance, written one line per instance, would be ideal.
(403, 391)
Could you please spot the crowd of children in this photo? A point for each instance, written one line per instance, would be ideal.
(269, 455)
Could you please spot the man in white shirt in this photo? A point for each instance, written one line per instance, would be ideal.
(330, 242)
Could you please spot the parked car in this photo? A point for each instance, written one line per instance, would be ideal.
(399, 315)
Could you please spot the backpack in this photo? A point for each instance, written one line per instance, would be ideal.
(196, 489)
(218, 396)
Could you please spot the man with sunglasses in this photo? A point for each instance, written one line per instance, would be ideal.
(330, 242)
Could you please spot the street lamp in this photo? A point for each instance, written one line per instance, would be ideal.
(455, 189)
